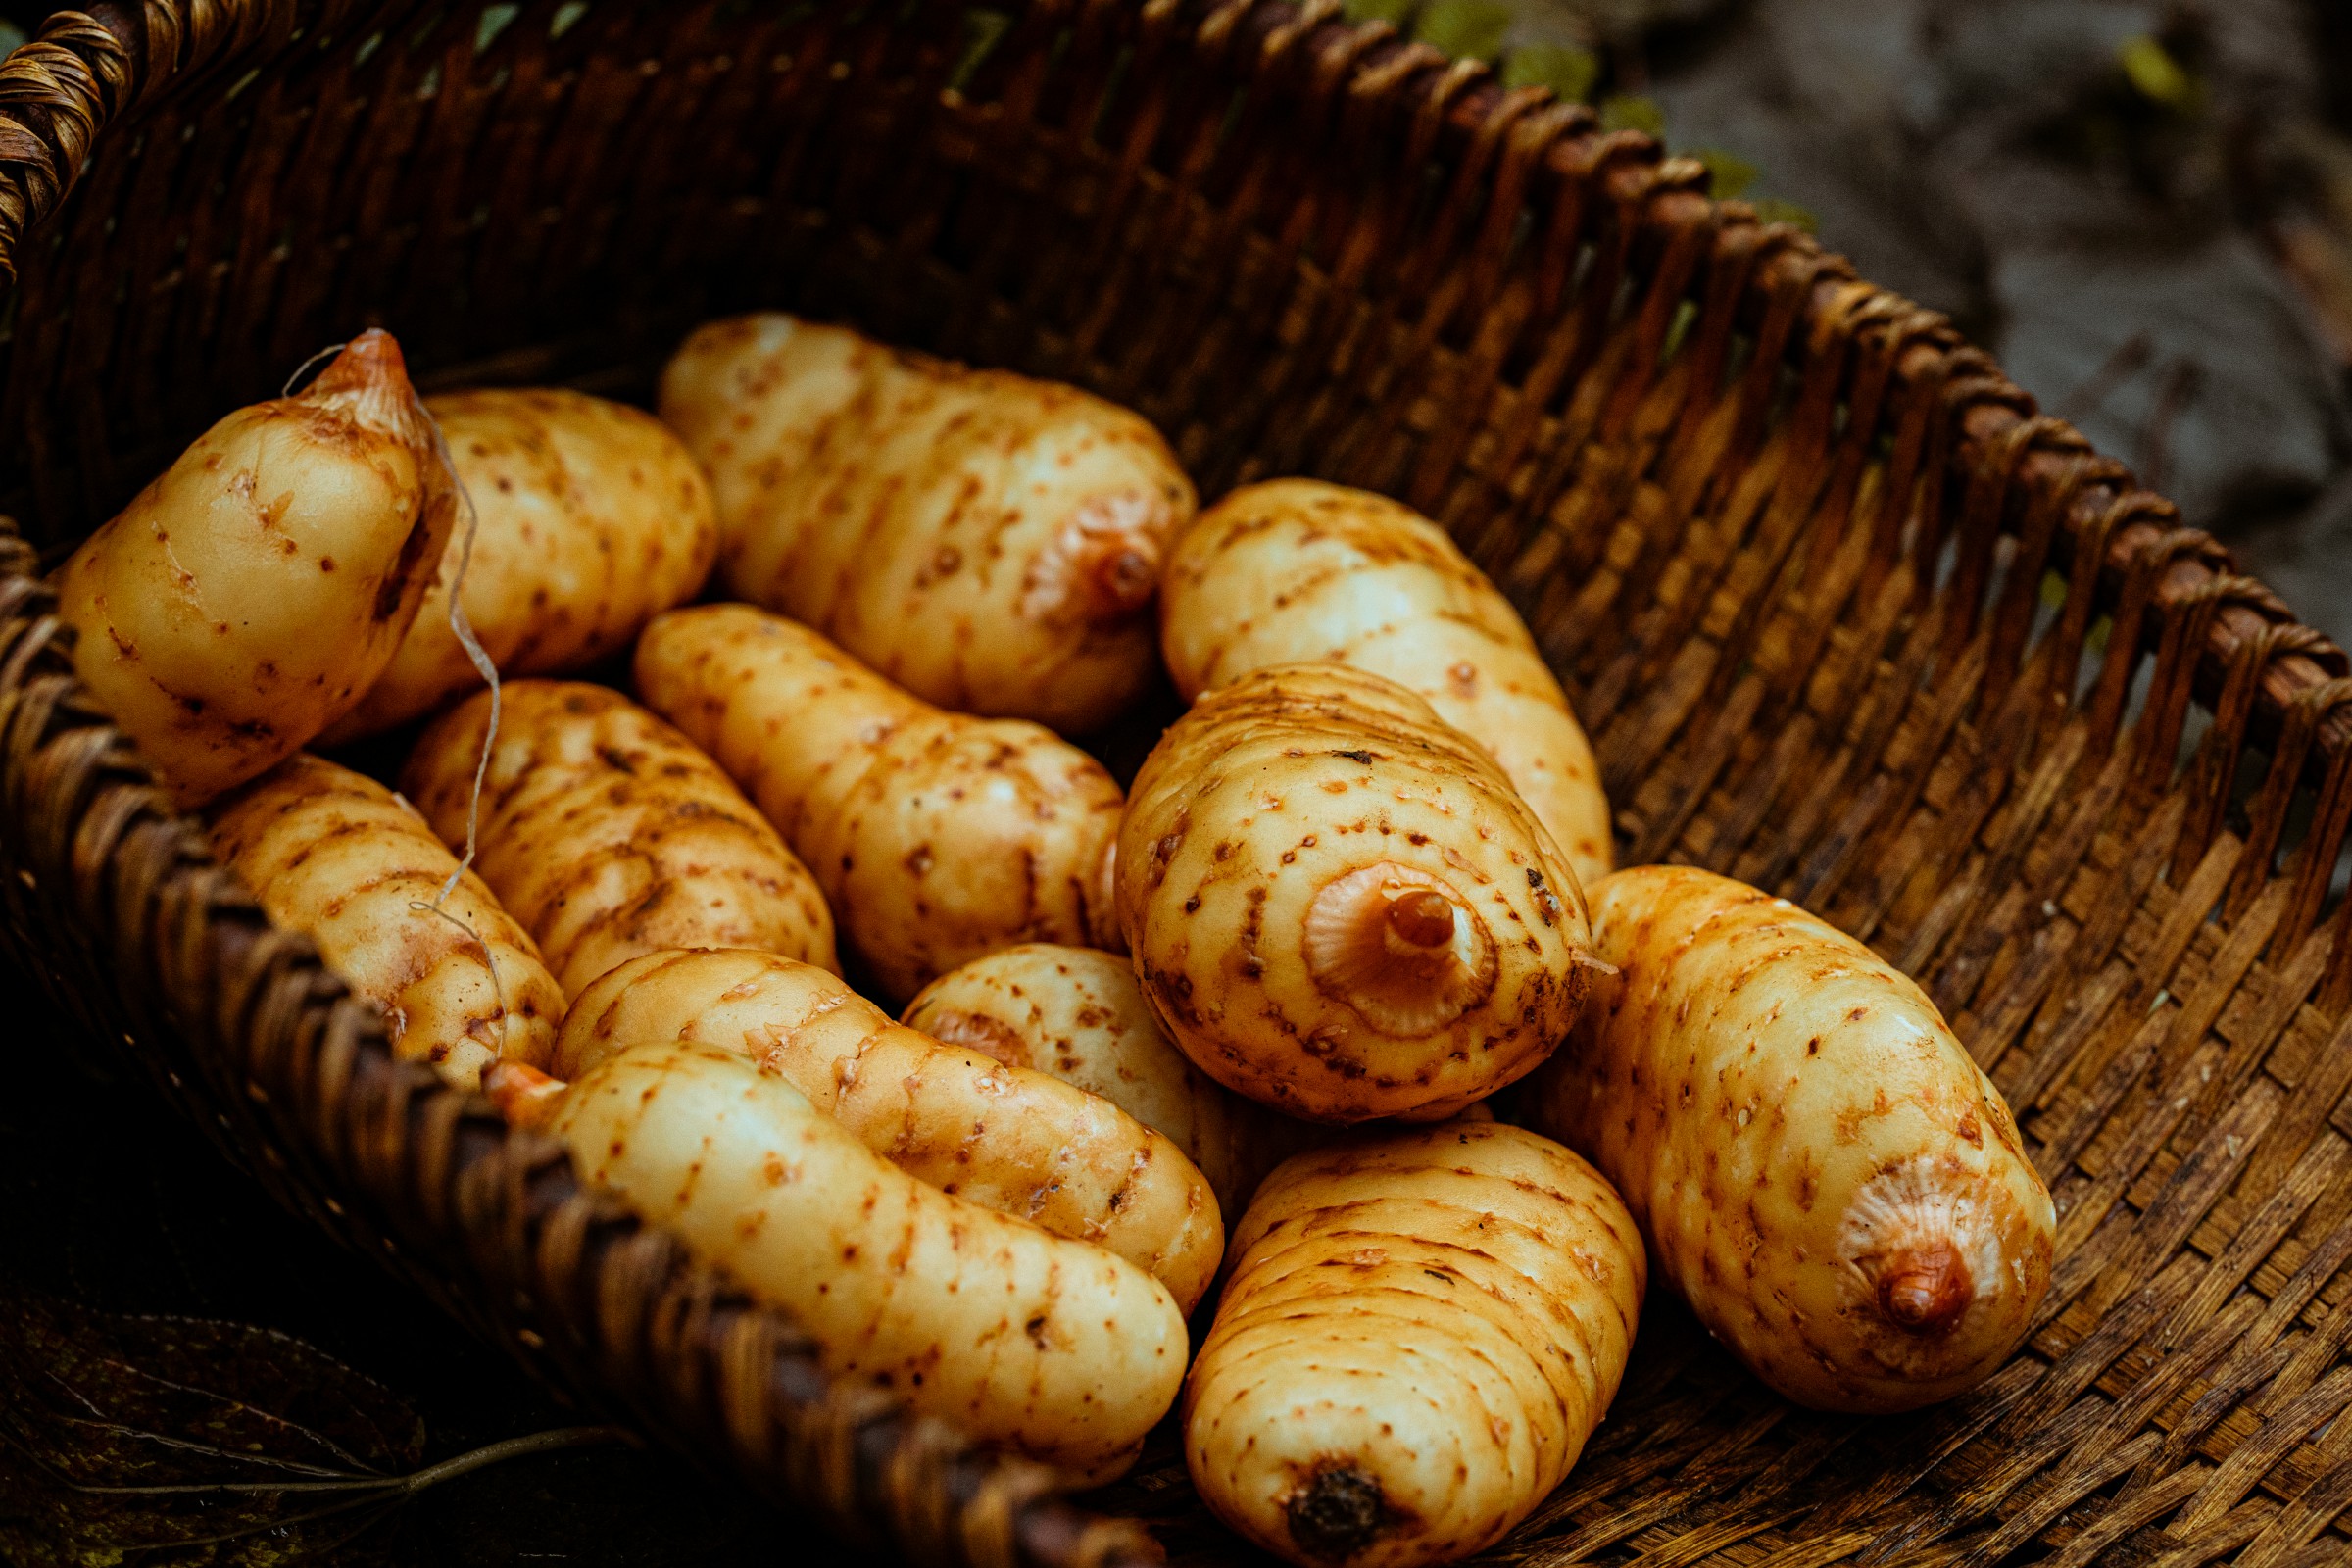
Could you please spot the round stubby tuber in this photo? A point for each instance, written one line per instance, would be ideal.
(251, 595)
(1419, 1333)
(1078, 1014)
(1339, 906)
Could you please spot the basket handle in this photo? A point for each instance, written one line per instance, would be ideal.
(59, 91)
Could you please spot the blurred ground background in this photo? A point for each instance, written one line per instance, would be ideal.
(2142, 206)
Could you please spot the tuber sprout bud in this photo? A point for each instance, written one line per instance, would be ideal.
(1926, 1291)
(527, 1097)
(1397, 950)
(1423, 919)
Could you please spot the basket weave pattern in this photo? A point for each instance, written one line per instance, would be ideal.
(1845, 615)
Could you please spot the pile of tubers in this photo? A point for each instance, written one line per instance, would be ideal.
(659, 893)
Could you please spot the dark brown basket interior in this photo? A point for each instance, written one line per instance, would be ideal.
(1844, 614)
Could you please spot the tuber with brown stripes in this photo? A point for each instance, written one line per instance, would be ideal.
(1419, 1333)
(1820, 1168)
(1007, 1138)
(607, 835)
(990, 542)
(334, 854)
(937, 836)
(1339, 906)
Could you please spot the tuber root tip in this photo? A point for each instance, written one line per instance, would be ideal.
(1102, 567)
(1926, 1291)
(1338, 1513)
(372, 359)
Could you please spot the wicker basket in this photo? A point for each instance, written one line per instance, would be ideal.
(1845, 618)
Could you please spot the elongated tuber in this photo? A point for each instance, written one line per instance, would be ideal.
(607, 835)
(334, 854)
(990, 542)
(1018, 1142)
(1821, 1171)
(1053, 1347)
(938, 837)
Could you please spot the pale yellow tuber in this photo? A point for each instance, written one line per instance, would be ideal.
(253, 592)
(1296, 569)
(1337, 906)
(990, 542)
(1052, 1348)
(1821, 1171)
(938, 837)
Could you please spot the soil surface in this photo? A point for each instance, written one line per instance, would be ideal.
(2143, 208)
